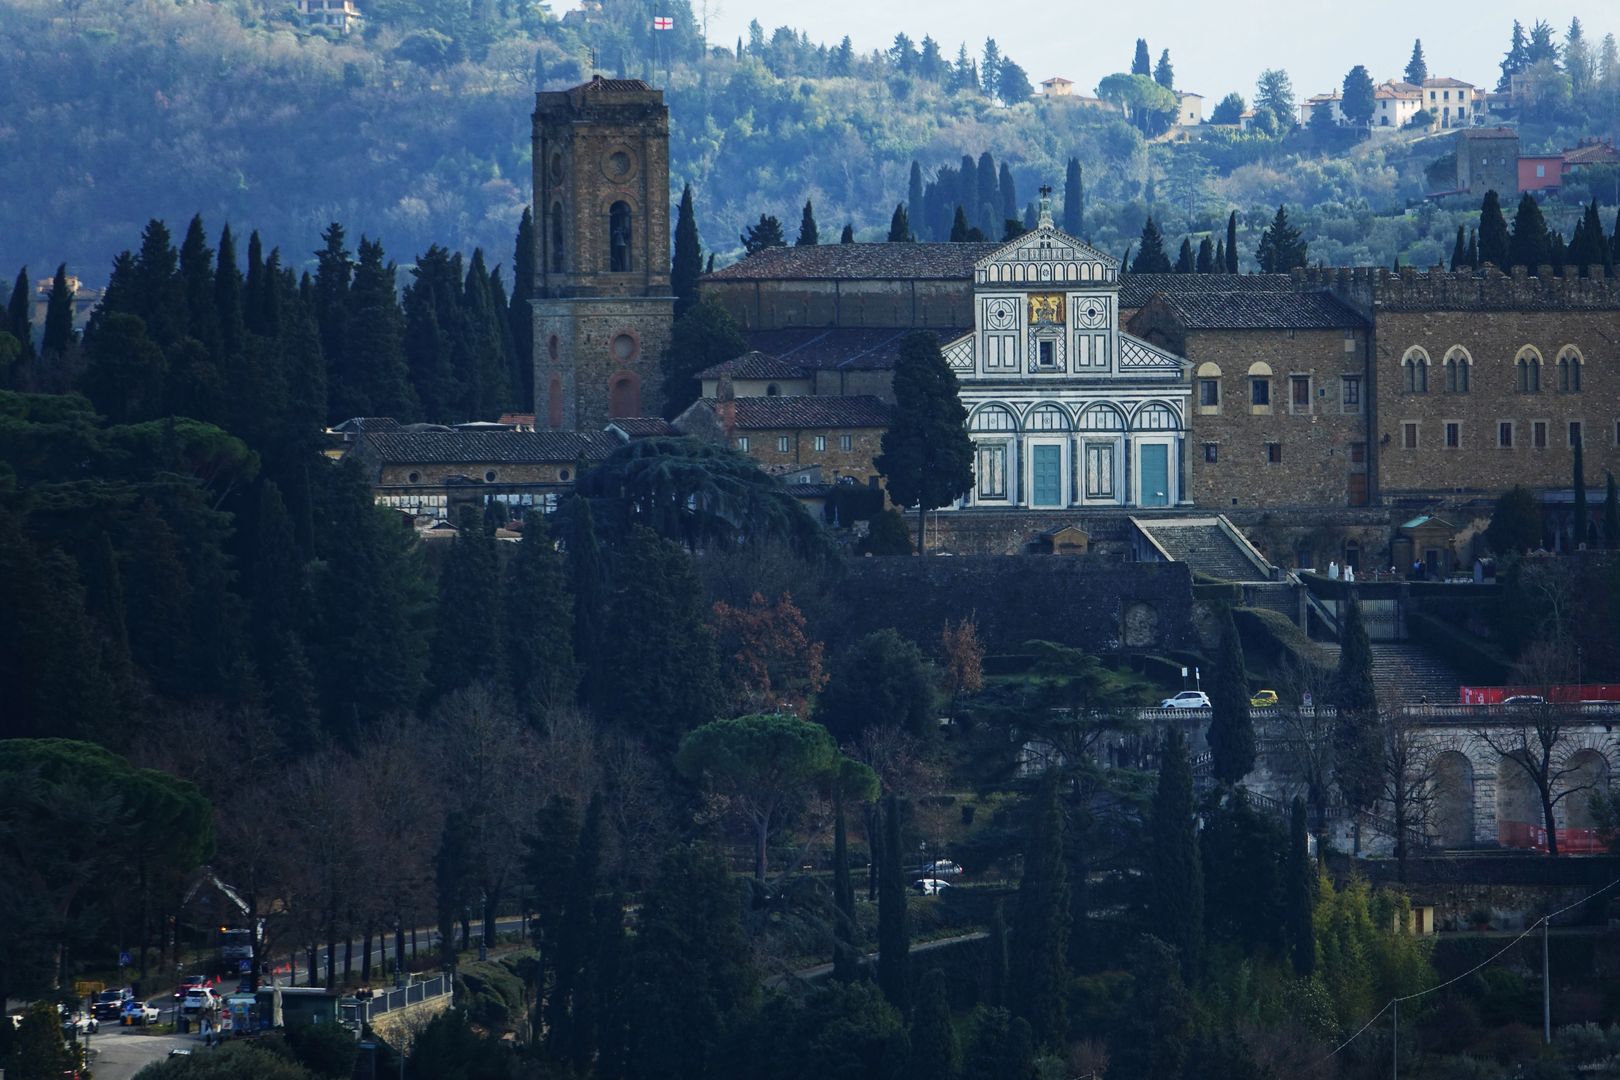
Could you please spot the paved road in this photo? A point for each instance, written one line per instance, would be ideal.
(821, 971)
(120, 1052)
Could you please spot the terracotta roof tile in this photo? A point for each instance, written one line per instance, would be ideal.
(478, 447)
(855, 262)
(755, 365)
(643, 427)
(841, 348)
(1261, 311)
(1136, 289)
(810, 411)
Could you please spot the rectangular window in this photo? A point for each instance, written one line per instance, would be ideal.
(1409, 436)
(742, 443)
(1504, 434)
(1574, 433)
(821, 443)
(1299, 392)
(1358, 453)
(781, 444)
(1541, 172)
(846, 442)
(1209, 393)
(1453, 435)
(1538, 434)
(1260, 391)
(1350, 392)
(1274, 453)
(992, 471)
(1099, 470)
(1211, 452)
(1046, 354)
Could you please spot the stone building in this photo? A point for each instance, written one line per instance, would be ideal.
(1488, 160)
(602, 308)
(840, 436)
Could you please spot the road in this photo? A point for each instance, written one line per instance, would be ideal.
(118, 1053)
(821, 971)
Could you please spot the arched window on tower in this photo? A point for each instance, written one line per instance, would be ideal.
(619, 237)
(556, 238)
(624, 395)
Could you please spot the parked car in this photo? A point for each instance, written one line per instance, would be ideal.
(189, 983)
(140, 1013)
(929, 886)
(80, 1023)
(199, 999)
(1187, 699)
(109, 1004)
(941, 868)
(1524, 699)
(1264, 699)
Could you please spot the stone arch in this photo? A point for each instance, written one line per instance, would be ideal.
(624, 394)
(1570, 362)
(1155, 416)
(993, 416)
(1209, 370)
(1585, 768)
(1415, 368)
(621, 233)
(1528, 352)
(1047, 416)
(1102, 417)
(1527, 365)
(1454, 799)
(1260, 369)
(1458, 365)
(1062, 273)
(1517, 801)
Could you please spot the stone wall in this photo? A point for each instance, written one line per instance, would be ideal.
(428, 475)
(765, 447)
(1094, 603)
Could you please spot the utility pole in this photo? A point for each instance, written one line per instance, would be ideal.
(1546, 988)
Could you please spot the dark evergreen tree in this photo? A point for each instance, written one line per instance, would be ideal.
(1301, 883)
(1611, 514)
(808, 234)
(894, 938)
(278, 596)
(374, 377)
(228, 297)
(520, 311)
(1459, 251)
(989, 196)
(1163, 72)
(1142, 63)
(900, 226)
(686, 266)
(539, 629)
(767, 233)
(1150, 257)
(914, 192)
(959, 227)
(467, 624)
(1358, 101)
(1473, 249)
(1185, 262)
(433, 326)
(125, 371)
(990, 69)
(705, 336)
(846, 960)
(848, 235)
(59, 336)
(1493, 234)
(518, 381)
(1231, 243)
(1231, 730)
(927, 456)
(587, 580)
(1515, 60)
(1205, 263)
(1219, 266)
(934, 1049)
(1175, 880)
(1282, 246)
(1073, 198)
(1008, 191)
(334, 271)
(967, 180)
(1581, 527)
(1037, 970)
(997, 961)
(197, 280)
(1357, 754)
(570, 1018)
(157, 295)
(1417, 69)
(19, 315)
(1556, 253)
(485, 340)
(1245, 857)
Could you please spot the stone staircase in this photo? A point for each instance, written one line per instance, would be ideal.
(1205, 547)
(1406, 673)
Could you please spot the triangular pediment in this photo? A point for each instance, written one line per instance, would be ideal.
(1137, 357)
(1045, 256)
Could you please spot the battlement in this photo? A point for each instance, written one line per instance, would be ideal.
(1370, 288)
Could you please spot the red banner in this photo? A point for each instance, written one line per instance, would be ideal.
(1563, 694)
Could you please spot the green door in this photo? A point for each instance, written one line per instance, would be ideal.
(1046, 481)
(1155, 474)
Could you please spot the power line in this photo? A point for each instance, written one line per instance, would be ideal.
(1526, 932)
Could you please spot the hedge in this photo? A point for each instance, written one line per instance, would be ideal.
(1273, 638)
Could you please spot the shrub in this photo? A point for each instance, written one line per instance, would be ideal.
(323, 1049)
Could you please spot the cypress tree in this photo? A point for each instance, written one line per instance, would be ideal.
(333, 274)
(278, 597)
(571, 1032)
(1557, 255)
(1231, 243)
(1219, 266)
(686, 265)
(967, 182)
(808, 234)
(900, 226)
(1040, 944)
(846, 961)
(1185, 263)
(432, 317)
(587, 580)
(1073, 198)
(1301, 892)
(914, 192)
(1493, 234)
(1009, 193)
(1031, 217)
(19, 315)
(197, 279)
(996, 973)
(1583, 516)
(59, 335)
(1356, 748)
(927, 457)
(959, 227)
(1611, 513)
(374, 377)
(1151, 259)
(500, 328)
(487, 338)
(935, 1052)
(1417, 69)
(1175, 879)
(1205, 262)
(1282, 246)
(1459, 251)
(1473, 249)
(228, 296)
(894, 939)
(539, 624)
(467, 639)
(846, 237)
(520, 310)
(1231, 729)
(989, 196)
(156, 293)
(1141, 64)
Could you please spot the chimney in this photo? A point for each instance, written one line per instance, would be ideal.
(725, 406)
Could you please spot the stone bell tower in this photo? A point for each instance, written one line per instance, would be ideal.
(602, 303)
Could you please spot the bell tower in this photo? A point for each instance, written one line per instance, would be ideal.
(602, 303)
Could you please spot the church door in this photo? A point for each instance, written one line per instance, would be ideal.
(1155, 459)
(1046, 480)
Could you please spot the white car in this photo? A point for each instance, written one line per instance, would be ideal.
(1187, 699)
(943, 868)
(929, 886)
(81, 1022)
(140, 1013)
(199, 999)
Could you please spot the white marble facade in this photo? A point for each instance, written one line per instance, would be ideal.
(1065, 409)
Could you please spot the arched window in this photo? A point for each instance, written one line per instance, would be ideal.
(1569, 370)
(1528, 365)
(1457, 365)
(556, 238)
(1156, 417)
(1047, 418)
(993, 418)
(1415, 365)
(624, 395)
(1102, 418)
(619, 237)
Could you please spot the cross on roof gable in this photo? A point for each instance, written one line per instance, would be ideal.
(1044, 256)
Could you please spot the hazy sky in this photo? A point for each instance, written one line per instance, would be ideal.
(1215, 47)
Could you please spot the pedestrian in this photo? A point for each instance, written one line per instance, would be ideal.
(207, 1031)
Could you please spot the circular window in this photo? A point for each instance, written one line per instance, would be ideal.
(618, 164)
(625, 347)
(489, 476)
(415, 477)
(551, 346)
(562, 474)
(556, 167)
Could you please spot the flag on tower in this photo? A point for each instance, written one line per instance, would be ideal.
(663, 22)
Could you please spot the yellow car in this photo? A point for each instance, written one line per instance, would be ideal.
(1265, 699)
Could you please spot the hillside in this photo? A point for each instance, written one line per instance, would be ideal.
(416, 130)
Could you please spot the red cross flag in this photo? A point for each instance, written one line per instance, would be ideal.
(663, 22)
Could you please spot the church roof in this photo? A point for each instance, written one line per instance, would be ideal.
(1137, 289)
(599, 84)
(1260, 311)
(842, 348)
(480, 447)
(755, 365)
(810, 411)
(856, 262)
